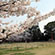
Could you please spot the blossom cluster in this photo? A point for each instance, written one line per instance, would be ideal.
(17, 8)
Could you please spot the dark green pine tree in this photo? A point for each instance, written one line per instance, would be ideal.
(50, 31)
(36, 33)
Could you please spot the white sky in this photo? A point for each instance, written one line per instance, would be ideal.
(44, 6)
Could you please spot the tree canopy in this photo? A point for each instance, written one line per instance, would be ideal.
(50, 30)
(16, 8)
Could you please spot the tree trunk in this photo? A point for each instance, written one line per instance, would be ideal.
(51, 36)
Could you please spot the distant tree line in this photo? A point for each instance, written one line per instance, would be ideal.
(33, 34)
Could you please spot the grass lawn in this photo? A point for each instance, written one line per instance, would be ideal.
(33, 48)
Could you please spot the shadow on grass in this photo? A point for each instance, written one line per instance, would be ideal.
(15, 49)
(25, 53)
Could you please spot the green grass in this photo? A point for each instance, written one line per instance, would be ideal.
(35, 48)
(26, 53)
(14, 49)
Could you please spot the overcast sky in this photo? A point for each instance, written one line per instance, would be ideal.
(44, 6)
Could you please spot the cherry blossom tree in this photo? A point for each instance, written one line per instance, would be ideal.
(20, 7)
